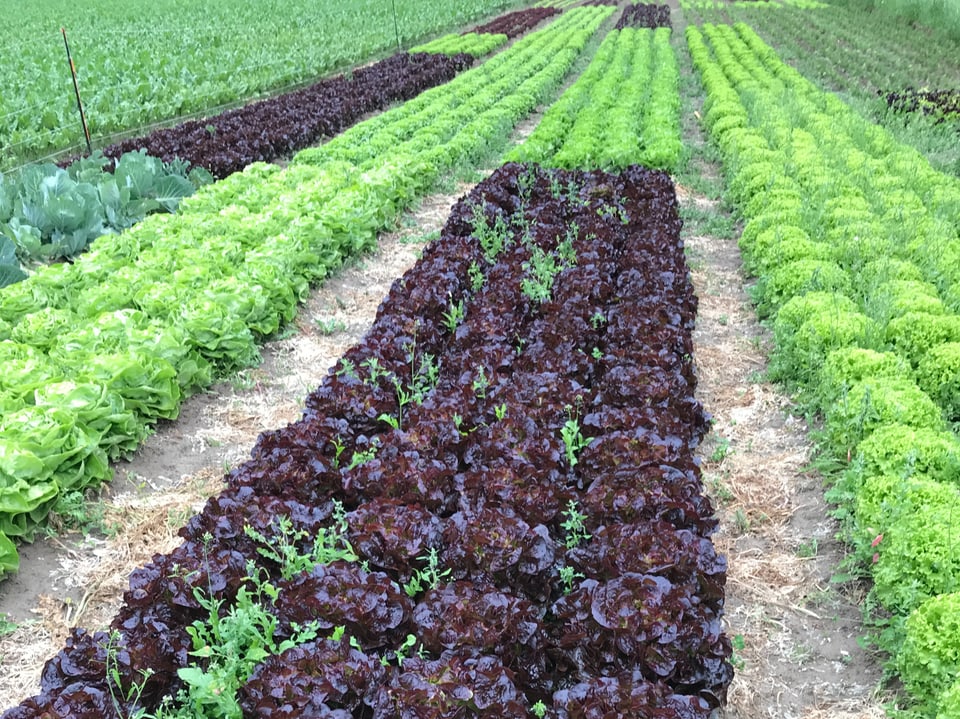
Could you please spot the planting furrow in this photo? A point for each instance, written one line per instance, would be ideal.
(155, 313)
(855, 242)
(445, 528)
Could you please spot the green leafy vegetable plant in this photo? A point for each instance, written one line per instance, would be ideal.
(938, 374)
(929, 661)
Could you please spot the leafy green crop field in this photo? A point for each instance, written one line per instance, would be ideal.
(849, 215)
(143, 62)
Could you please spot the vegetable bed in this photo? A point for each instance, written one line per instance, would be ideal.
(502, 475)
(516, 23)
(623, 109)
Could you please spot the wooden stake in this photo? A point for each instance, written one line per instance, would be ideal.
(76, 90)
(396, 25)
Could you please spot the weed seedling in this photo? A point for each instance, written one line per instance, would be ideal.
(573, 526)
(476, 277)
(492, 239)
(453, 316)
(568, 576)
(480, 383)
(739, 644)
(573, 439)
(119, 695)
(73, 510)
(721, 451)
(403, 651)
(329, 545)
(565, 249)
(525, 183)
(331, 325)
(232, 644)
(389, 419)
(347, 369)
(808, 549)
(376, 371)
(540, 270)
(338, 447)
(362, 457)
(428, 577)
(7, 626)
(458, 423)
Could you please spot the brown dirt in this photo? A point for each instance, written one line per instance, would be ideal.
(799, 656)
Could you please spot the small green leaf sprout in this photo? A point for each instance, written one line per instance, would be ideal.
(573, 526)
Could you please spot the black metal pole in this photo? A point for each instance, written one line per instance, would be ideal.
(396, 26)
(76, 90)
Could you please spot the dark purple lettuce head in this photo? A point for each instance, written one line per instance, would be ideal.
(370, 605)
(391, 536)
(479, 617)
(312, 680)
(459, 684)
(627, 694)
(647, 623)
(655, 547)
(495, 547)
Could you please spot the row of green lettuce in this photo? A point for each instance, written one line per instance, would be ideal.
(96, 351)
(624, 109)
(472, 43)
(723, 4)
(855, 243)
(49, 213)
(562, 4)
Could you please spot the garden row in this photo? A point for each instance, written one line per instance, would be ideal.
(559, 4)
(473, 44)
(856, 244)
(490, 507)
(516, 23)
(51, 213)
(863, 57)
(624, 109)
(487, 38)
(96, 351)
(942, 105)
(644, 15)
(723, 5)
(139, 63)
